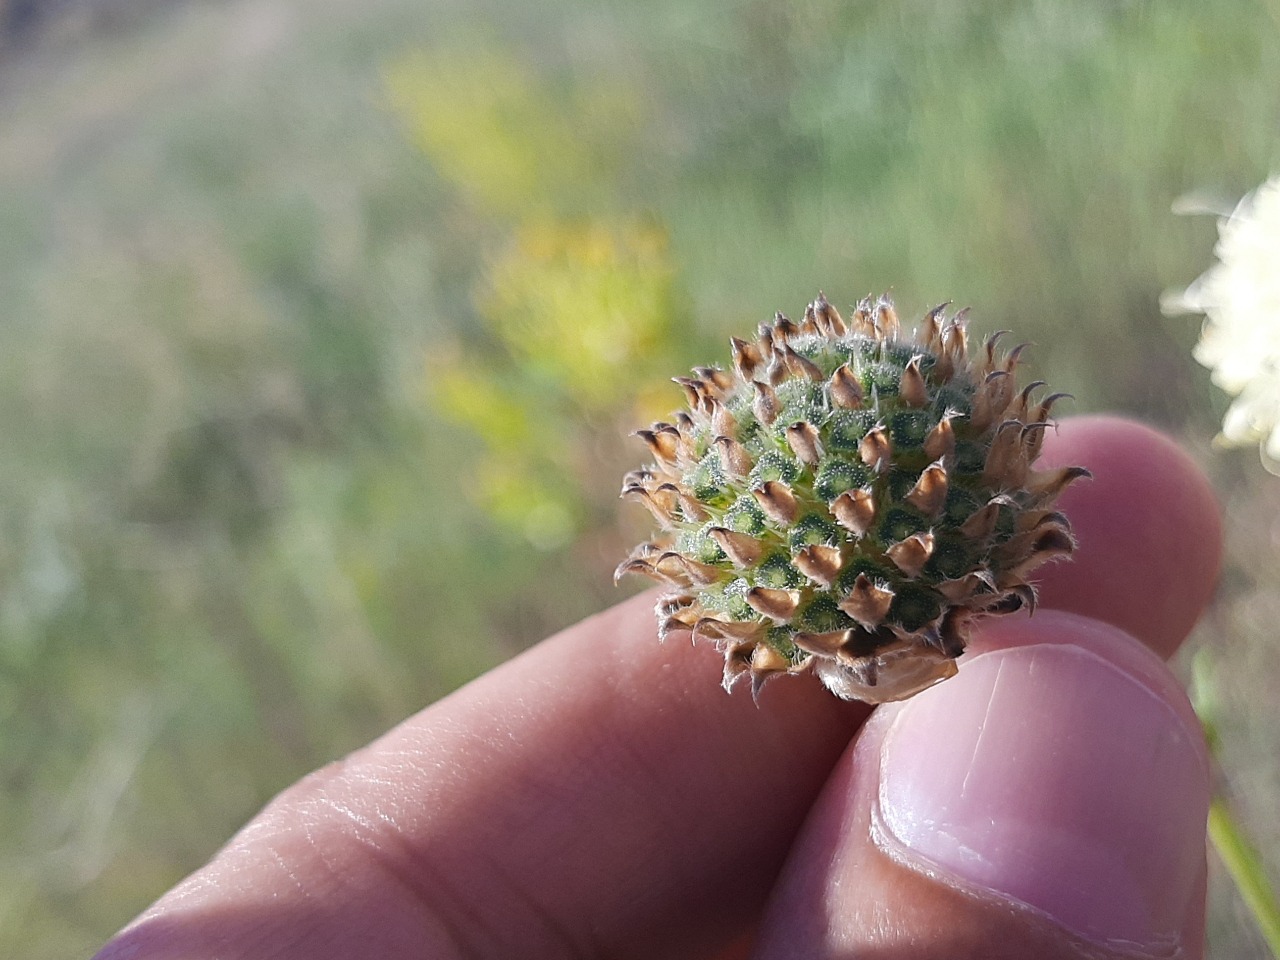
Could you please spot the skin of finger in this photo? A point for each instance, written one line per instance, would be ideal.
(590, 798)
(566, 800)
(840, 899)
(1147, 521)
(894, 912)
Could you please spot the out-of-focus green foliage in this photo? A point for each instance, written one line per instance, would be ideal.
(324, 324)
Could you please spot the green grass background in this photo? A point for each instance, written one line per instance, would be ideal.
(311, 395)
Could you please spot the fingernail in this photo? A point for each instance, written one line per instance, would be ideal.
(1049, 775)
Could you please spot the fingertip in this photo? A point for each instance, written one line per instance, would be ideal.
(1148, 527)
(1048, 801)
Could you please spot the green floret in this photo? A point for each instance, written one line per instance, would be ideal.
(745, 516)
(774, 466)
(846, 428)
(811, 530)
(777, 573)
(836, 475)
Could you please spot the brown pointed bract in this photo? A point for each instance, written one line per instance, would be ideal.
(660, 503)
(746, 358)
(967, 587)
(929, 495)
(766, 404)
(744, 551)
(819, 562)
(1032, 519)
(934, 324)
(662, 444)
(982, 524)
(765, 659)
(887, 324)
(783, 329)
(913, 390)
(689, 504)
(805, 442)
(734, 456)
(828, 317)
(693, 391)
(910, 555)
(941, 441)
(779, 605)
(876, 449)
(1050, 483)
(846, 392)
(681, 569)
(737, 631)
(822, 644)
(766, 663)
(719, 381)
(863, 323)
(723, 422)
(989, 350)
(1047, 404)
(800, 366)
(1021, 405)
(777, 501)
(737, 661)
(868, 602)
(1005, 467)
(855, 510)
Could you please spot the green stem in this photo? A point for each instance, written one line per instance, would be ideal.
(1245, 866)
(1237, 854)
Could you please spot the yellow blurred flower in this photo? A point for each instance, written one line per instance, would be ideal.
(582, 311)
(575, 312)
(487, 125)
(1240, 342)
(588, 305)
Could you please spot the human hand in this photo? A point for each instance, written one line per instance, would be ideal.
(600, 795)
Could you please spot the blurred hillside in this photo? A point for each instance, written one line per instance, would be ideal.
(28, 24)
(325, 324)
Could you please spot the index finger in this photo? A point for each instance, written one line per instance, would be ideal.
(600, 795)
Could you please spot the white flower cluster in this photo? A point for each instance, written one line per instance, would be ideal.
(1240, 342)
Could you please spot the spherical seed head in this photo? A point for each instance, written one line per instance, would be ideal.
(849, 500)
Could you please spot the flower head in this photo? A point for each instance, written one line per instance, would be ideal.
(1240, 342)
(849, 498)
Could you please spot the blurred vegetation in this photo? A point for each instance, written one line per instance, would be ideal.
(578, 315)
(325, 324)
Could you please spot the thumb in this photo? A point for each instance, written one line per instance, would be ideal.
(1049, 801)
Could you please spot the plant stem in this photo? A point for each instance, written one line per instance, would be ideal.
(1241, 859)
